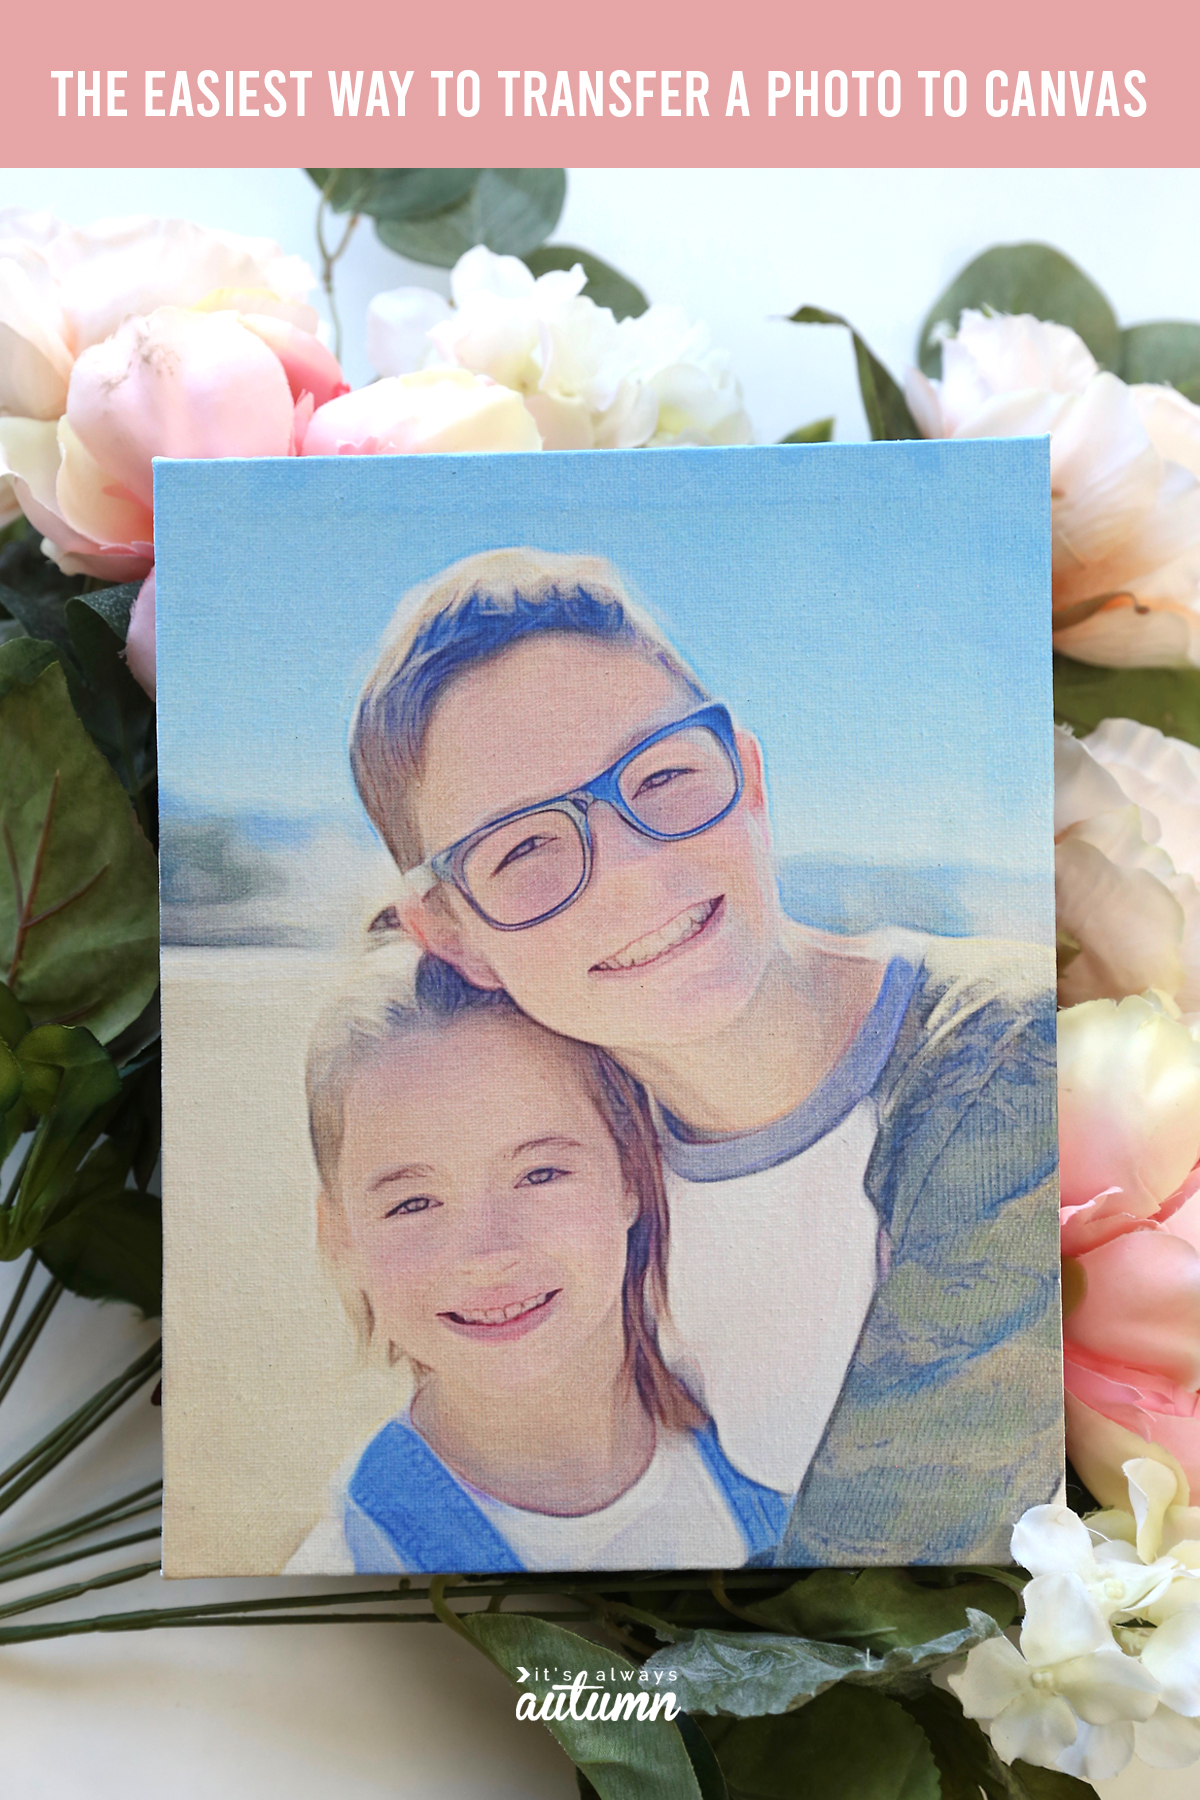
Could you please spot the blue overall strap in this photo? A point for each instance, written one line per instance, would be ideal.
(760, 1512)
(430, 1520)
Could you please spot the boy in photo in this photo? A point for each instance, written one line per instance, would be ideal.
(859, 1135)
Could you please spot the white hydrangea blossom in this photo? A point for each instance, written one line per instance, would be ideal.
(589, 381)
(1108, 1663)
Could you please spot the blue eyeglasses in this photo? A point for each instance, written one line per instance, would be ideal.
(529, 865)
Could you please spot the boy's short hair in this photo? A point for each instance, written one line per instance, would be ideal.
(468, 613)
(404, 992)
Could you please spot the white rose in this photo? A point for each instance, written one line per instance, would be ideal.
(1124, 463)
(587, 381)
(1127, 863)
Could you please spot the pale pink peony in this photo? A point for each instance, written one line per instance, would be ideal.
(435, 410)
(187, 382)
(1124, 463)
(1129, 1121)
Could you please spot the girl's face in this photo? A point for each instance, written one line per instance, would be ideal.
(482, 1208)
(669, 941)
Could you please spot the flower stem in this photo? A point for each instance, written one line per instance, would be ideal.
(28, 1335)
(129, 1506)
(14, 1305)
(329, 260)
(29, 1469)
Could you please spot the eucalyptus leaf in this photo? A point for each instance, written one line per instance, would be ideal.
(512, 211)
(110, 1248)
(1166, 698)
(747, 1673)
(393, 193)
(881, 1609)
(819, 432)
(883, 402)
(1163, 350)
(1023, 278)
(79, 881)
(629, 1759)
(849, 1745)
(606, 286)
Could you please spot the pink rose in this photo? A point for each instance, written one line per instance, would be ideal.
(1129, 1109)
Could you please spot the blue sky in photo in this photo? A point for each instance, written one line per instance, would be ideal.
(877, 613)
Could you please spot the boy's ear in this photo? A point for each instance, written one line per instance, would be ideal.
(432, 923)
(753, 772)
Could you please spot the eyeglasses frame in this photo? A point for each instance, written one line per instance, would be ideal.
(447, 865)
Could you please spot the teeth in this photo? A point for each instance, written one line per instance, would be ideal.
(500, 1315)
(657, 943)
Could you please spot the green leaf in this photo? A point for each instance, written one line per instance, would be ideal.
(881, 1609)
(883, 402)
(1166, 698)
(41, 615)
(512, 211)
(22, 659)
(69, 1083)
(819, 432)
(627, 1759)
(110, 1249)
(1024, 278)
(1163, 350)
(1029, 1783)
(963, 1753)
(113, 604)
(849, 1745)
(10, 1079)
(747, 1673)
(605, 285)
(117, 712)
(394, 193)
(710, 1777)
(78, 880)
(14, 1020)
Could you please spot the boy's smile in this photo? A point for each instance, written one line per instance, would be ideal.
(669, 940)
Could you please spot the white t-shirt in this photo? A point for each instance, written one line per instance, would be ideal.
(775, 1255)
(674, 1516)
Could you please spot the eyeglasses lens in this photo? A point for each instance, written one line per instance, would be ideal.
(680, 784)
(524, 869)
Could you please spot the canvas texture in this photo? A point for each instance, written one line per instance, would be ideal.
(608, 1009)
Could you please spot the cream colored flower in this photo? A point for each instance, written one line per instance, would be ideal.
(1127, 858)
(1124, 463)
(587, 381)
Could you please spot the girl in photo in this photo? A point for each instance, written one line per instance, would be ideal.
(493, 1210)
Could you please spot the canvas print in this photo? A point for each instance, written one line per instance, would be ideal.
(608, 1009)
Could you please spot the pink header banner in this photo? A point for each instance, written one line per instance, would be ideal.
(625, 85)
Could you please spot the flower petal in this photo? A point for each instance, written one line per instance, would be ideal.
(1036, 1728)
(994, 1675)
(1052, 1540)
(1173, 1657)
(1107, 1686)
(1062, 1621)
(1166, 1741)
(1099, 1751)
(1142, 1307)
